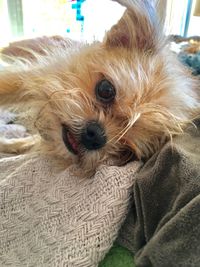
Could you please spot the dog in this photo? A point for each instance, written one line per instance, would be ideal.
(122, 98)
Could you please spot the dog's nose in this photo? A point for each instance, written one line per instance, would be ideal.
(93, 136)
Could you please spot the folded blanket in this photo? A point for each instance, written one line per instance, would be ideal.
(163, 226)
(49, 217)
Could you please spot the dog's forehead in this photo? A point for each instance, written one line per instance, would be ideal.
(131, 72)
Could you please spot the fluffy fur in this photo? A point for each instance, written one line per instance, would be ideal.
(155, 96)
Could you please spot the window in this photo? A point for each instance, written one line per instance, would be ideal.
(82, 19)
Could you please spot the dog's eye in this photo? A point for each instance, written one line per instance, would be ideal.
(105, 91)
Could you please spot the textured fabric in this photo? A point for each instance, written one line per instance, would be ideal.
(49, 217)
(163, 225)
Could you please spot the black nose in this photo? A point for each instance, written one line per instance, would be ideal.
(93, 136)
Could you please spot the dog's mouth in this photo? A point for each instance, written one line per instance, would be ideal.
(91, 137)
(70, 140)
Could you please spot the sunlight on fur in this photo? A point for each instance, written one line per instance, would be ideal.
(121, 99)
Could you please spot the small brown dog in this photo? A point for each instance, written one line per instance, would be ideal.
(122, 98)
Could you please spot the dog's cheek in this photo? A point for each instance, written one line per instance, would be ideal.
(47, 124)
(130, 150)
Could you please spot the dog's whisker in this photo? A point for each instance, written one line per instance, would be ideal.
(130, 124)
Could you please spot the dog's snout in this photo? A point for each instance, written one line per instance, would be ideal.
(93, 136)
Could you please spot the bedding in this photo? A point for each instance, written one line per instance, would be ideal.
(50, 217)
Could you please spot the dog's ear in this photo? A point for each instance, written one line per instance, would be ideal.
(12, 88)
(138, 27)
(10, 84)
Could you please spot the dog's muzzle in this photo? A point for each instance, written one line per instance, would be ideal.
(93, 136)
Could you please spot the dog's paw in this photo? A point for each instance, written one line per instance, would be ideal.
(17, 145)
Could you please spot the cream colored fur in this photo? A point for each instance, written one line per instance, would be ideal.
(155, 95)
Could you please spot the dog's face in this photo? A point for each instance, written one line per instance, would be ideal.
(118, 99)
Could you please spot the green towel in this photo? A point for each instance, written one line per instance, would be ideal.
(118, 257)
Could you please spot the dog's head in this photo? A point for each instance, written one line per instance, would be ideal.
(121, 98)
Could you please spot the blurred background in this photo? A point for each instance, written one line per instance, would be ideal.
(85, 19)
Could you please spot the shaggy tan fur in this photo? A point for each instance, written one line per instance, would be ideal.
(155, 95)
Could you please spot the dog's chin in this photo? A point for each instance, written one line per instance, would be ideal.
(70, 140)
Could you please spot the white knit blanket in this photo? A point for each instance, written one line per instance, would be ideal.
(8, 129)
(52, 218)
